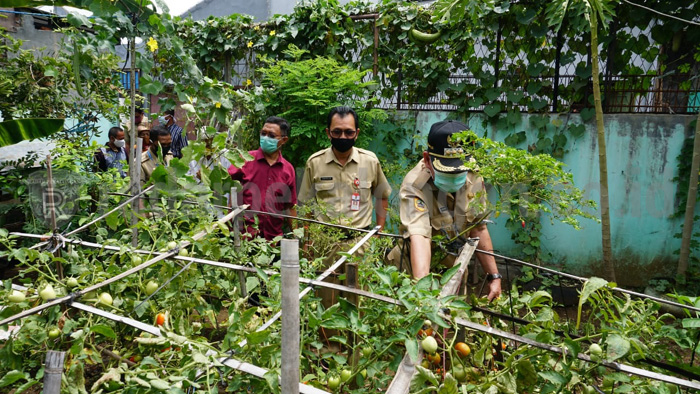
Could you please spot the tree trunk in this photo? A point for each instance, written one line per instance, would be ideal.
(608, 266)
(690, 203)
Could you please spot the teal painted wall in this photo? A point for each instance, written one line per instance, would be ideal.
(642, 162)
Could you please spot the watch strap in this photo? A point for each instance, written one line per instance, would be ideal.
(491, 277)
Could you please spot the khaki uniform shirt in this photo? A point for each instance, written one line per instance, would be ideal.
(149, 162)
(427, 211)
(333, 186)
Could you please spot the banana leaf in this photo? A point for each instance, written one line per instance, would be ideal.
(18, 130)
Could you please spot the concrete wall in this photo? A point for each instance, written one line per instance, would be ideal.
(642, 161)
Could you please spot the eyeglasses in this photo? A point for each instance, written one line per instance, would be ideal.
(349, 133)
(270, 135)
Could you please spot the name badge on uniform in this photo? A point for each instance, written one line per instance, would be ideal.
(355, 202)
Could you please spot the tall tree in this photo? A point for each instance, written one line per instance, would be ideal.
(690, 203)
(598, 14)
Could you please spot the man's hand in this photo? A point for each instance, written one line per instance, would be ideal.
(494, 289)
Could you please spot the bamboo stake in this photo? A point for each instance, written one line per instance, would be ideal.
(233, 199)
(290, 316)
(53, 372)
(407, 368)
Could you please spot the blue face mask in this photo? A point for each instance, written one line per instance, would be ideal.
(450, 183)
(268, 145)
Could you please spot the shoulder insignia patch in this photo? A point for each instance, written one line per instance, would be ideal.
(419, 204)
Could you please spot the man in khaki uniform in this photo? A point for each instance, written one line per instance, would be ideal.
(343, 179)
(441, 196)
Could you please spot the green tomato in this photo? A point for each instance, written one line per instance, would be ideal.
(172, 245)
(71, 282)
(367, 351)
(427, 323)
(16, 296)
(345, 375)
(333, 382)
(151, 287)
(183, 252)
(364, 373)
(54, 333)
(136, 260)
(459, 373)
(47, 293)
(588, 389)
(429, 345)
(596, 351)
(105, 299)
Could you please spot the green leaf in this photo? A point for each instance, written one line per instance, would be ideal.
(104, 331)
(492, 109)
(412, 348)
(78, 20)
(540, 298)
(449, 386)
(617, 346)
(515, 96)
(587, 114)
(527, 371)
(538, 104)
(691, 323)
(577, 130)
(18, 130)
(553, 377)
(257, 337)
(12, 377)
(591, 286)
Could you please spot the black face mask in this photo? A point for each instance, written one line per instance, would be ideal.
(342, 145)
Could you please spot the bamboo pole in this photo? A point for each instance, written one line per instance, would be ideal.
(53, 370)
(233, 199)
(135, 162)
(690, 203)
(137, 203)
(402, 380)
(608, 264)
(290, 316)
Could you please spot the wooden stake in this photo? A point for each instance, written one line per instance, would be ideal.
(233, 199)
(290, 316)
(53, 371)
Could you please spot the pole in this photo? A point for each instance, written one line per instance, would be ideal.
(135, 162)
(233, 199)
(137, 191)
(53, 371)
(375, 54)
(290, 316)
(52, 212)
(690, 203)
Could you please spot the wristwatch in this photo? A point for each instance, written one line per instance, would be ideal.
(491, 277)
